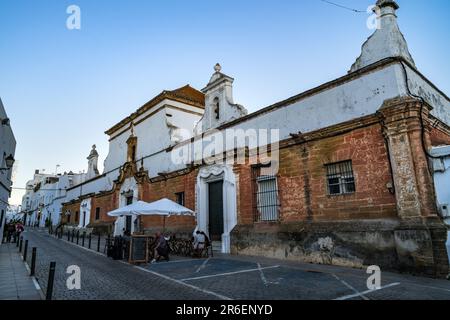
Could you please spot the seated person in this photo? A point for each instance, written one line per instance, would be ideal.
(199, 243)
(161, 248)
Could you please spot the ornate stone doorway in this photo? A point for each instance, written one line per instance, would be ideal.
(217, 223)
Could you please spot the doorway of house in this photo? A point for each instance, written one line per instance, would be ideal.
(128, 221)
(216, 228)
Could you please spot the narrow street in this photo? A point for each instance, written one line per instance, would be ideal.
(222, 277)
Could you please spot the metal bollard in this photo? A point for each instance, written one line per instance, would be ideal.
(25, 251)
(51, 277)
(98, 244)
(33, 261)
(20, 244)
(73, 234)
(82, 240)
(90, 240)
(78, 236)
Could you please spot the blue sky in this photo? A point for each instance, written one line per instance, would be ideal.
(63, 88)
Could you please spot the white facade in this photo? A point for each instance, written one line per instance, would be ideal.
(7, 148)
(45, 195)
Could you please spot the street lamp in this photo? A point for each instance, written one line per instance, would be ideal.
(9, 161)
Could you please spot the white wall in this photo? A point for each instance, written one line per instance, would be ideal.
(7, 147)
(440, 104)
(153, 133)
(442, 183)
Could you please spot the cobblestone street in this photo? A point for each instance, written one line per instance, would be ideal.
(222, 277)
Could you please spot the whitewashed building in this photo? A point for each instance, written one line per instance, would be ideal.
(44, 196)
(353, 165)
(7, 152)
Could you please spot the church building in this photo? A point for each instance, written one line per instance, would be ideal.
(339, 174)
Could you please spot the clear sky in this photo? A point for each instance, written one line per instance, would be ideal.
(63, 88)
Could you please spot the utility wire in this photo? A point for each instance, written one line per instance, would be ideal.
(343, 7)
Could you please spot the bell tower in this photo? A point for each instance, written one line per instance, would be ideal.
(219, 104)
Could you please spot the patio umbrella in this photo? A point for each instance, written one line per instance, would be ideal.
(167, 208)
(163, 207)
(137, 208)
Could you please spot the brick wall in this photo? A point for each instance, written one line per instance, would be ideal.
(302, 180)
(73, 208)
(439, 137)
(106, 203)
(150, 192)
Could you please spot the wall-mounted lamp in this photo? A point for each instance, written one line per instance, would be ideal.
(9, 161)
(5, 122)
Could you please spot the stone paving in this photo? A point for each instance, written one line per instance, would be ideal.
(221, 277)
(15, 281)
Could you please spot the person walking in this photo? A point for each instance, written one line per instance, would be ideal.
(11, 232)
(19, 230)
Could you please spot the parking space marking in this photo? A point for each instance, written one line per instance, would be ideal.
(345, 283)
(222, 297)
(228, 273)
(263, 277)
(203, 265)
(428, 287)
(351, 296)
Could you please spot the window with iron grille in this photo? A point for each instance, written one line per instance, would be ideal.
(180, 198)
(340, 178)
(97, 213)
(77, 216)
(266, 204)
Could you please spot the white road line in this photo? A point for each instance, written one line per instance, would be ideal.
(425, 286)
(263, 277)
(177, 261)
(87, 249)
(228, 273)
(367, 292)
(203, 265)
(350, 287)
(184, 284)
(36, 284)
(27, 267)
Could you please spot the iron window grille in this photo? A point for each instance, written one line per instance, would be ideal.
(340, 178)
(266, 204)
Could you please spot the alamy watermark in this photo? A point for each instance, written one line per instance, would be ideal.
(374, 281)
(232, 146)
(73, 22)
(74, 280)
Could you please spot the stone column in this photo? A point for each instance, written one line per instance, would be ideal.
(419, 239)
